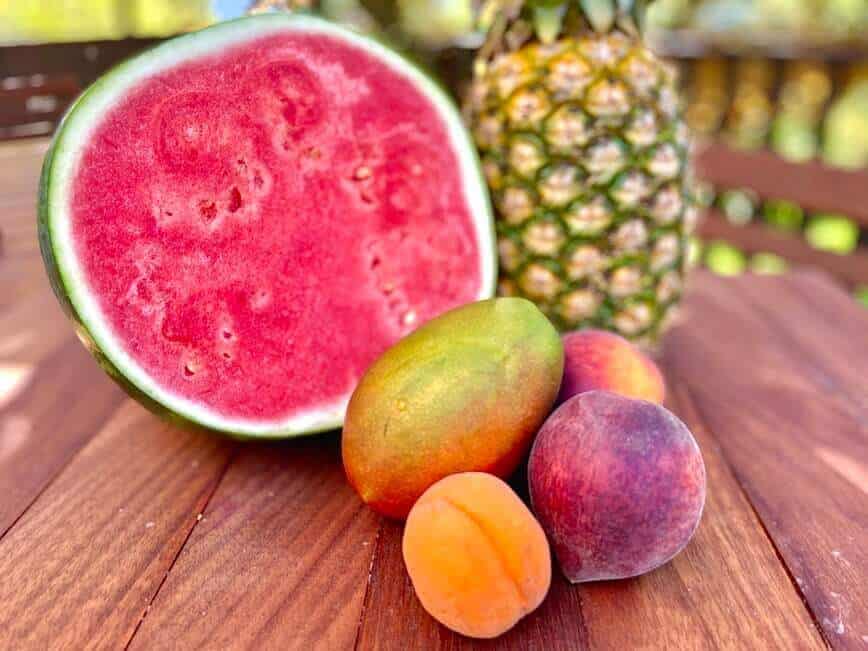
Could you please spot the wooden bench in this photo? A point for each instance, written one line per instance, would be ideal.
(118, 530)
(814, 186)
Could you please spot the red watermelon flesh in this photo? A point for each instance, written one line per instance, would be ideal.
(258, 225)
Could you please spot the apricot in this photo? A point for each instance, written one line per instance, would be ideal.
(595, 359)
(618, 485)
(467, 391)
(478, 559)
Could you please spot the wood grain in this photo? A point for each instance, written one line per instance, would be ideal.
(50, 413)
(81, 566)
(779, 395)
(280, 560)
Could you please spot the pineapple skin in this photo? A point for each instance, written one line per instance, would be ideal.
(587, 156)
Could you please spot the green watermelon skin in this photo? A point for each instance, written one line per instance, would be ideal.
(64, 286)
(58, 288)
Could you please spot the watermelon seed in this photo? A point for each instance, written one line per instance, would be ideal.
(234, 200)
(190, 369)
(227, 334)
(362, 173)
(208, 210)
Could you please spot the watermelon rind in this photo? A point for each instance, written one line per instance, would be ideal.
(68, 279)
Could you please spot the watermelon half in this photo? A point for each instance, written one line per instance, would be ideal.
(242, 219)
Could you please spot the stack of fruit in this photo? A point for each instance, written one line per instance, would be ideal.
(616, 481)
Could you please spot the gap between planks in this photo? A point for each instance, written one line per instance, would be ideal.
(233, 454)
(366, 601)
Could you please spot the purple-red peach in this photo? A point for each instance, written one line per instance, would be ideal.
(595, 359)
(617, 484)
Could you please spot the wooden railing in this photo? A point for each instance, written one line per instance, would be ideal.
(812, 185)
(38, 82)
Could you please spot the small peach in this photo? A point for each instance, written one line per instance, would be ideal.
(595, 359)
(478, 559)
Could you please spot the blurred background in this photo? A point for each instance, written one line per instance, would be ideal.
(776, 93)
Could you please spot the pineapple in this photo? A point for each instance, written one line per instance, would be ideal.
(582, 141)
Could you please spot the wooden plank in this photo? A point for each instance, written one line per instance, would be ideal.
(47, 414)
(792, 426)
(726, 590)
(280, 560)
(850, 269)
(33, 328)
(26, 279)
(81, 566)
(812, 185)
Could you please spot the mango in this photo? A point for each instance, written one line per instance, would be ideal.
(478, 559)
(467, 391)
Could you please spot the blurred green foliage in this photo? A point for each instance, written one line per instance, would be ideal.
(85, 20)
(724, 259)
(832, 233)
(833, 16)
(768, 264)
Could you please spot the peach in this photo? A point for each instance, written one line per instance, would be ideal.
(478, 559)
(595, 359)
(467, 391)
(618, 485)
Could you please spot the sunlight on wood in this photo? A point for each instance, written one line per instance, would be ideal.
(13, 379)
(15, 343)
(14, 431)
(846, 467)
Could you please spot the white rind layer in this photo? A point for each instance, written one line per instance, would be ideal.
(86, 115)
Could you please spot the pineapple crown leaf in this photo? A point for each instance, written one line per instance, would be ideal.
(548, 22)
(600, 14)
(512, 23)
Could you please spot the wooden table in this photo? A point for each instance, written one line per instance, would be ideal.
(119, 530)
